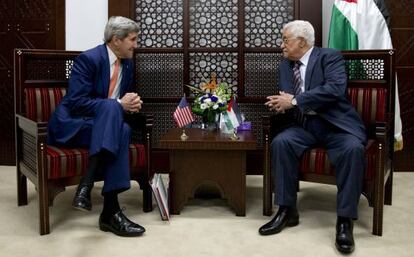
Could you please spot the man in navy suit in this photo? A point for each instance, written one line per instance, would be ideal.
(92, 114)
(313, 86)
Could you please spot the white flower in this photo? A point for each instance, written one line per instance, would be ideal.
(207, 100)
(215, 106)
(203, 106)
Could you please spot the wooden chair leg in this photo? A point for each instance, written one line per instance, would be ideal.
(377, 222)
(21, 188)
(43, 198)
(388, 190)
(378, 207)
(267, 185)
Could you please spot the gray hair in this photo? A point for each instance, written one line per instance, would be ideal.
(300, 28)
(119, 27)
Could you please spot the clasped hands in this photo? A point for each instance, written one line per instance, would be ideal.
(131, 102)
(279, 103)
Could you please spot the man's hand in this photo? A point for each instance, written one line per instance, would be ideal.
(131, 102)
(280, 103)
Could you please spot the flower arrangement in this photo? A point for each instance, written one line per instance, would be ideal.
(211, 99)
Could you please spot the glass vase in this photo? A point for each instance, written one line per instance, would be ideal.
(209, 120)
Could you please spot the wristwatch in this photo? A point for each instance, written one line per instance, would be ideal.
(294, 102)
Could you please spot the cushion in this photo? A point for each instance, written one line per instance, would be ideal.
(44, 102)
(316, 161)
(69, 162)
(370, 103)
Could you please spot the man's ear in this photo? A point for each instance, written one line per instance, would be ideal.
(115, 40)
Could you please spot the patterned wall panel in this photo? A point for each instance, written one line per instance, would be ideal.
(161, 23)
(223, 64)
(261, 73)
(159, 74)
(163, 118)
(6, 9)
(7, 103)
(264, 20)
(29, 9)
(213, 23)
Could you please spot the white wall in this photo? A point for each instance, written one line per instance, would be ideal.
(326, 20)
(85, 23)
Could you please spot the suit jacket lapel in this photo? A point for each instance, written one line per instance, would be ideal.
(105, 75)
(311, 64)
(124, 82)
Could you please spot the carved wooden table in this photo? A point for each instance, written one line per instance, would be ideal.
(207, 157)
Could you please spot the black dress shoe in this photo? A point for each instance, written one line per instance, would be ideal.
(120, 225)
(344, 235)
(285, 216)
(82, 199)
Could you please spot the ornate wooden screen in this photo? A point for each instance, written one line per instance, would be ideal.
(183, 42)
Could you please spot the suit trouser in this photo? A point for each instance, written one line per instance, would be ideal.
(345, 152)
(108, 135)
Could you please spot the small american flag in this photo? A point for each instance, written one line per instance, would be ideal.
(183, 115)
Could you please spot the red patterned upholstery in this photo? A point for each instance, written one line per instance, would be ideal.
(67, 162)
(316, 161)
(370, 104)
(44, 102)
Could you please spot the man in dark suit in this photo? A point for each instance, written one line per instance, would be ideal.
(91, 115)
(313, 87)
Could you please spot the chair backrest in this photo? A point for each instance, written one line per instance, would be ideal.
(371, 85)
(40, 103)
(41, 81)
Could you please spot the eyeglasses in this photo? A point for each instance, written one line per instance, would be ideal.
(286, 40)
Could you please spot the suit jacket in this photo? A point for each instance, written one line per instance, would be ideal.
(88, 88)
(325, 90)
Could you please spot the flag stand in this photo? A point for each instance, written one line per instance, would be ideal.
(183, 136)
(234, 136)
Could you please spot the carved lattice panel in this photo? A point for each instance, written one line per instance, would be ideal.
(161, 23)
(163, 118)
(223, 64)
(159, 74)
(253, 112)
(264, 20)
(366, 69)
(261, 73)
(49, 69)
(28, 9)
(6, 10)
(6, 103)
(213, 23)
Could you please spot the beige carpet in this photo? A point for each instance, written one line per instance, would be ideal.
(204, 228)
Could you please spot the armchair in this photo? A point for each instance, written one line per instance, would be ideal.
(371, 91)
(41, 80)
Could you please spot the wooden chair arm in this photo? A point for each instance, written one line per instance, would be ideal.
(33, 128)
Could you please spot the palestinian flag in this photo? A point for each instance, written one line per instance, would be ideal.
(358, 25)
(362, 25)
